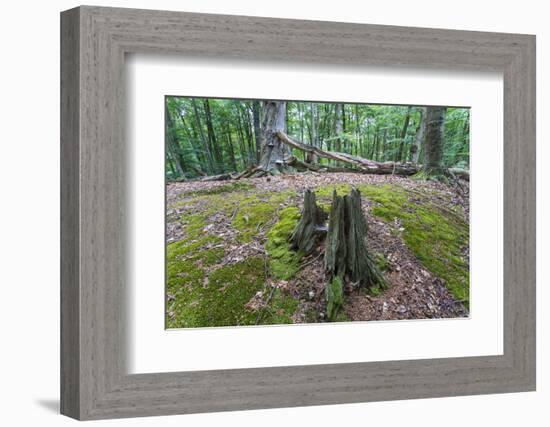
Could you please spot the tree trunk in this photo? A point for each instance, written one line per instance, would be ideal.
(346, 253)
(257, 130)
(420, 130)
(203, 138)
(403, 136)
(311, 157)
(363, 165)
(338, 127)
(433, 145)
(274, 153)
(173, 145)
(214, 147)
(311, 226)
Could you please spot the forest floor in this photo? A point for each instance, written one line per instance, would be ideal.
(229, 262)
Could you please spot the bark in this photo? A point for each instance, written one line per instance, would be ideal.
(363, 165)
(417, 146)
(403, 136)
(338, 127)
(214, 147)
(433, 144)
(302, 166)
(221, 177)
(257, 128)
(231, 150)
(311, 228)
(274, 153)
(311, 157)
(346, 253)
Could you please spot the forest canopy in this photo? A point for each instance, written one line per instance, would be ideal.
(208, 137)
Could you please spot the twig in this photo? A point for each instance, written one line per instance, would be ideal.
(234, 213)
(267, 301)
(311, 261)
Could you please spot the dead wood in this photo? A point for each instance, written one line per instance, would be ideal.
(361, 164)
(346, 253)
(311, 227)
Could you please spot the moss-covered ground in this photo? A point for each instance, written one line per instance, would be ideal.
(206, 290)
(436, 237)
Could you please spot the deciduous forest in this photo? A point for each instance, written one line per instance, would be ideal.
(305, 212)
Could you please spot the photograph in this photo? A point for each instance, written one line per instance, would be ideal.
(293, 212)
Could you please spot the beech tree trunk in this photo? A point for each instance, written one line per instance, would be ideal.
(346, 253)
(274, 154)
(433, 145)
(257, 128)
(416, 148)
(403, 136)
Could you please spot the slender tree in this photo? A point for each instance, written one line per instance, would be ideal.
(257, 129)
(403, 135)
(433, 143)
(419, 139)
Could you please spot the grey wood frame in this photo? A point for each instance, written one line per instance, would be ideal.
(94, 382)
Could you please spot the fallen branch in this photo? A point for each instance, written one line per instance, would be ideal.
(362, 165)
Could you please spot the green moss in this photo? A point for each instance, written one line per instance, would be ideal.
(218, 300)
(375, 291)
(381, 261)
(435, 238)
(327, 191)
(342, 317)
(256, 211)
(280, 309)
(283, 261)
(225, 188)
(335, 298)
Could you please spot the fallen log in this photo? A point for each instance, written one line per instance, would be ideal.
(361, 164)
(301, 166)
(460, 173)
(221, 177)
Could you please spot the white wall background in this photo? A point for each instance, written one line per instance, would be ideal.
(29, 212)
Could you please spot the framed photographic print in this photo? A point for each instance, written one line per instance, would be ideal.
(261, 213)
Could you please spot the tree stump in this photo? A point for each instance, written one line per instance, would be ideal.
(346, 253)
(311, 227)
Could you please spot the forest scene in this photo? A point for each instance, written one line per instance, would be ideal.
(287, 212)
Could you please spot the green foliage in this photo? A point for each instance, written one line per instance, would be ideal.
(213, 136)
(283, 261)
(335, 298)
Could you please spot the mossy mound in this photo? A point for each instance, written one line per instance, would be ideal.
(436, 238)
(283, 261)
(201, 295)
(258, 210)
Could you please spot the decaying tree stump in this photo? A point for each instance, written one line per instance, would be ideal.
(311, 227)
(346, 254)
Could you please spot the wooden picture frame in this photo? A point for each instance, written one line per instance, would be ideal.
(94, 382)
